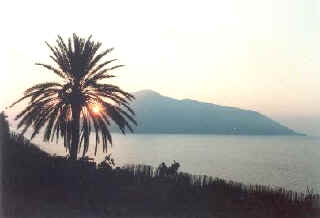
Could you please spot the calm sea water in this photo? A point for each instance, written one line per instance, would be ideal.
(287, 161)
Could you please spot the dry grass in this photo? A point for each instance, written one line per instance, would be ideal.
(39, 185)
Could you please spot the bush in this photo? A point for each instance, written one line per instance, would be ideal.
(163, 170)
(107, 164)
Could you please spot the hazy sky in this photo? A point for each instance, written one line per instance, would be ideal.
(261, 55)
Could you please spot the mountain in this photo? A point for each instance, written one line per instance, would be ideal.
(160, 114)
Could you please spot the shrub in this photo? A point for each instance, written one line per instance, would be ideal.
(107, 164)
(163, 170)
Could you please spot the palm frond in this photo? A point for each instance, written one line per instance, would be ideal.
(56, 71)
(100, 66)
(98, 57)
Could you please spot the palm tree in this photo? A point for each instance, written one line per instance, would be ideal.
(72, 109)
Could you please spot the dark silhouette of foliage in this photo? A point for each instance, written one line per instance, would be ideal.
(173, 169)
(4, 129)
(107, 164)
(163, 170)
(68, 109)
(36, 184)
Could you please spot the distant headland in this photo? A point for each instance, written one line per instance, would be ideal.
(160, 114)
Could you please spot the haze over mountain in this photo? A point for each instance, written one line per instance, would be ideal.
(160, 114)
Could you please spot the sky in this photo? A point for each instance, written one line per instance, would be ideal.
(260, 55)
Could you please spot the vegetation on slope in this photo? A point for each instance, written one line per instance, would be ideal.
(36, 184)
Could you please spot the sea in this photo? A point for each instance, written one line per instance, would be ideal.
(291, 162)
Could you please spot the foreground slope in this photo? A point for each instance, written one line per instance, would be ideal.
(160, 114)
(36, 184)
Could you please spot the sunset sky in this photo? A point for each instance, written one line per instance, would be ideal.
(261, 55)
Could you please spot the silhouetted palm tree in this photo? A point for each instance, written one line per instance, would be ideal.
(73, 108)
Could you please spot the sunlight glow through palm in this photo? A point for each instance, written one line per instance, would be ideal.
(96, 109)
(77, 106)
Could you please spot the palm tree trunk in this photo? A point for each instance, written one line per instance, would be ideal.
(75, 131)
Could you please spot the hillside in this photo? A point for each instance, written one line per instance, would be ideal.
(160, 114)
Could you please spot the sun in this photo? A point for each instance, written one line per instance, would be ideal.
(96, 109)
